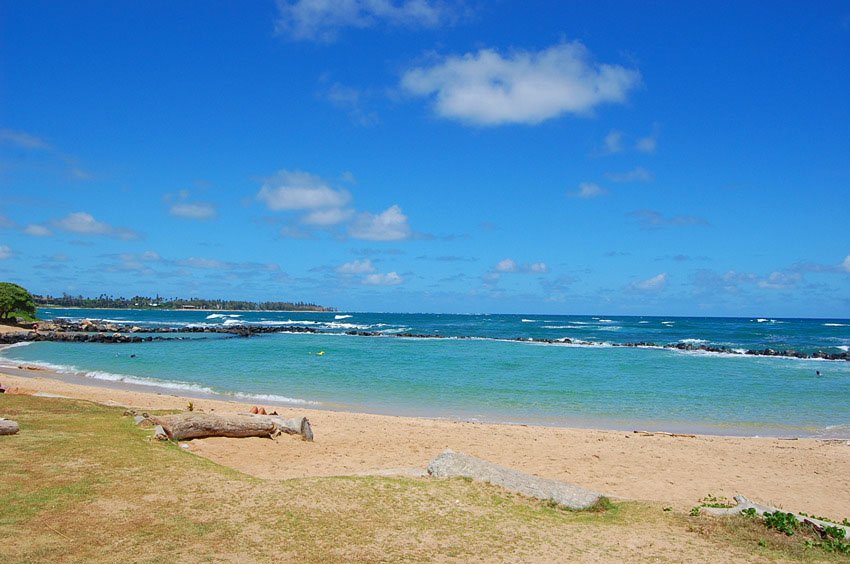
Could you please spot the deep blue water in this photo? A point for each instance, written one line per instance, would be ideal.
(491, 378)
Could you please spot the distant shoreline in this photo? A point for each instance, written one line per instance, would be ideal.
(190, 309)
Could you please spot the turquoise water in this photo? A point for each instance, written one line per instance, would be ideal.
(492, 379)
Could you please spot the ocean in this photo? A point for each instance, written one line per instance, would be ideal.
(486, 369)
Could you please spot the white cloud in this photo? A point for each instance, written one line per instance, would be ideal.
(655, 283)
(388, 279)
(332, 216)
(296, 190)
(614, 142)
(37, 230)
(780, 280)
(846, 264)
(587, 190)
(198, 210)
(637, 174)
(5, 252)
(647, 144)
(199, 262)
(539, 267)
(485, 88)
(507, 265)
(356, 267)
(22, 139)
(321, 20)
(390, 225)
(85, 224)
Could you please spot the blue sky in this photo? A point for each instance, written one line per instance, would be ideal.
(438, 156)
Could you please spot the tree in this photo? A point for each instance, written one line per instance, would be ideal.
(15, 300)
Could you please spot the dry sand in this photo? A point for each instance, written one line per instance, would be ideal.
(797, 475)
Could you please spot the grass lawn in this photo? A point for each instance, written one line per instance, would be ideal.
(82, 483)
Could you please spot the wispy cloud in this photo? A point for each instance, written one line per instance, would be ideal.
(85, 224)
(649, 143)
(588, 190)
(509, 265)
(353, 101)
(378, 279)
(389, 225)
(846, 264)
(181, 206)
(526, 87)
(614, 142)
(37, 230)
(5, 252)
(23, 140)
(651, 219)
(356, 267)
(654, 284)
(321, 20)
(637, 174)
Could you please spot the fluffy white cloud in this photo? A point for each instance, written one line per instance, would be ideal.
(507, 265)
(85, 224)
(846, 264)
(332, 216)
(198, 210)
(539, 267)
(587, 190)
(486, 88)
(356, 267)
(296, 190)
(389, 225)
(388, 279)
(37, 230)
(321, 20)
(655, 283)
(5, 252)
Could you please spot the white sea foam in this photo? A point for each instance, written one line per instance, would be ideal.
(844, 348)
(334, 325)
(342, 316)
(566, 327)
(609, 328)
(643, 322)
(275, 398)
(13, 345)
(222, 315)
(693, 341)
(529, 320)
(667, 323)
(395, 330)
(836, 325)
(606, 321)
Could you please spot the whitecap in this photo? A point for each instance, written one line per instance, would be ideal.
(693, 341)
(643, 322)
(667, 323)
(342, 317)
(836, 325)
(529, 320)
(844, 348)
(274, 398)
(606, 321)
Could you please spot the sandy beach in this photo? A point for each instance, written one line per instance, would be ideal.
(797, 475)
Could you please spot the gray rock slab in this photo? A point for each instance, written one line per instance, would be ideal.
(8, 427)
(452, 464)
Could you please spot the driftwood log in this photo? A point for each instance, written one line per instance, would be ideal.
(8, 427)
(194, 425)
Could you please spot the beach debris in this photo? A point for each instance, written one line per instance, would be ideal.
(159, 433)
(8, 427)
(744, 504)
(190, 406)
(664, 434)
(452, 464)
(195, 425)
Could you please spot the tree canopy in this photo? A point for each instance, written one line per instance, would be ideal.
(15, 301)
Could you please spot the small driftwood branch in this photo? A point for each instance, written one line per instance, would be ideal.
(744, 503)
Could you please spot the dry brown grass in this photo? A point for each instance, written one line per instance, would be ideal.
(81, 483)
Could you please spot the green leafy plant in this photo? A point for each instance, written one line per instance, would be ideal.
(783, 522)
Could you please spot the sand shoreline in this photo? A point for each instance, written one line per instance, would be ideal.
(808, 475)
